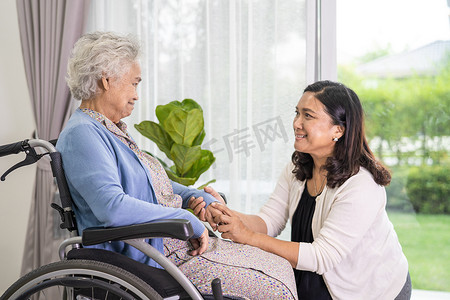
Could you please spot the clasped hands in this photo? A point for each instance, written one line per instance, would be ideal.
(220, 217)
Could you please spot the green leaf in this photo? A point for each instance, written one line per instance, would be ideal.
(163, 111)
(199, 139)
(206, 184)
(181, 180)
(201, 165)
(183, 127)
(179, 135)
(154, 132)
(189, 104)
(185, 157)
(174, 170)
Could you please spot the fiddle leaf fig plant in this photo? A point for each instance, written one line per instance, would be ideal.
(179, 134)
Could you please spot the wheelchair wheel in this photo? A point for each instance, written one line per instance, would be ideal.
(82, 280)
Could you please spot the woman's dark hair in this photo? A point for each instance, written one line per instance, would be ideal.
(351, 150)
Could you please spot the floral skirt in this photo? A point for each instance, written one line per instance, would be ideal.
(244, 271)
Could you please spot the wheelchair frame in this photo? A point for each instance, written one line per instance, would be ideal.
(81, 274)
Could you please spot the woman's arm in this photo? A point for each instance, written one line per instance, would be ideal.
(270, 220)
(253, 222)
(249, 229)
(285, 249)
(187, 193)
(275, 212)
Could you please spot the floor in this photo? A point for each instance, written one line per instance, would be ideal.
(429, 295)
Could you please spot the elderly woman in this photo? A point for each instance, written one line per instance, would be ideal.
(111, 180)
(114, 183)
(343, 245)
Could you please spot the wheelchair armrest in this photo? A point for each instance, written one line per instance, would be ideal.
(174, 228)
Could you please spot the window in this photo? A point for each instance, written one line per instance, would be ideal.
(244, 62)
(395, 55)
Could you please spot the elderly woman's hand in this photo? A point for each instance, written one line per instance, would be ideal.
(214, 193)
(198, 207)
(200, 244)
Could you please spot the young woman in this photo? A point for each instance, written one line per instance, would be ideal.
(343, 245)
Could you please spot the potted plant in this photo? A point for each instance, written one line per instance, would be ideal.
(179, 134)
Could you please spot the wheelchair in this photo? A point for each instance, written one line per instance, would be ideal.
(90, 273)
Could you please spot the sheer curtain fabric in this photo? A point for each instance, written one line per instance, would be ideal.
(244, 62)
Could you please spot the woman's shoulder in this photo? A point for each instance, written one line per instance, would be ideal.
(362, 191)
(79, 128)
(79, 118)
(363, 180)
(364, 174)
(80, 122)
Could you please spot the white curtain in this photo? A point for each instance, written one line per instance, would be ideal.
(244, 62)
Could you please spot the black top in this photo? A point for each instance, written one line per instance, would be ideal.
(310, 285)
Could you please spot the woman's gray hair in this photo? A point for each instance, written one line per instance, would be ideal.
(96, 55)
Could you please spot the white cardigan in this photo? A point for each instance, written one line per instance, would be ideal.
(355, 246)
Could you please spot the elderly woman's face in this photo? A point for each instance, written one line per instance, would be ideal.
(313, 127)
(121, 94)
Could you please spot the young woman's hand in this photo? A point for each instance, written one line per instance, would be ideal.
(208, 210)
(230, 224)
(197, 205)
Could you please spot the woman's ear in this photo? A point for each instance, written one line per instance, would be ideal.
(340, 130)
(105, 83)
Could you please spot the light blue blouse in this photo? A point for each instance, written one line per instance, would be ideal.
(110, 186)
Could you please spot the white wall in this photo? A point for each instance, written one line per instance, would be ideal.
(16, 123)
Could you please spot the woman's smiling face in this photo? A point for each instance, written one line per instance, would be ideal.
(313, 128)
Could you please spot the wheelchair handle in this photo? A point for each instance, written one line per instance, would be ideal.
(26, 146)
(23, 146)
(13, 148)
